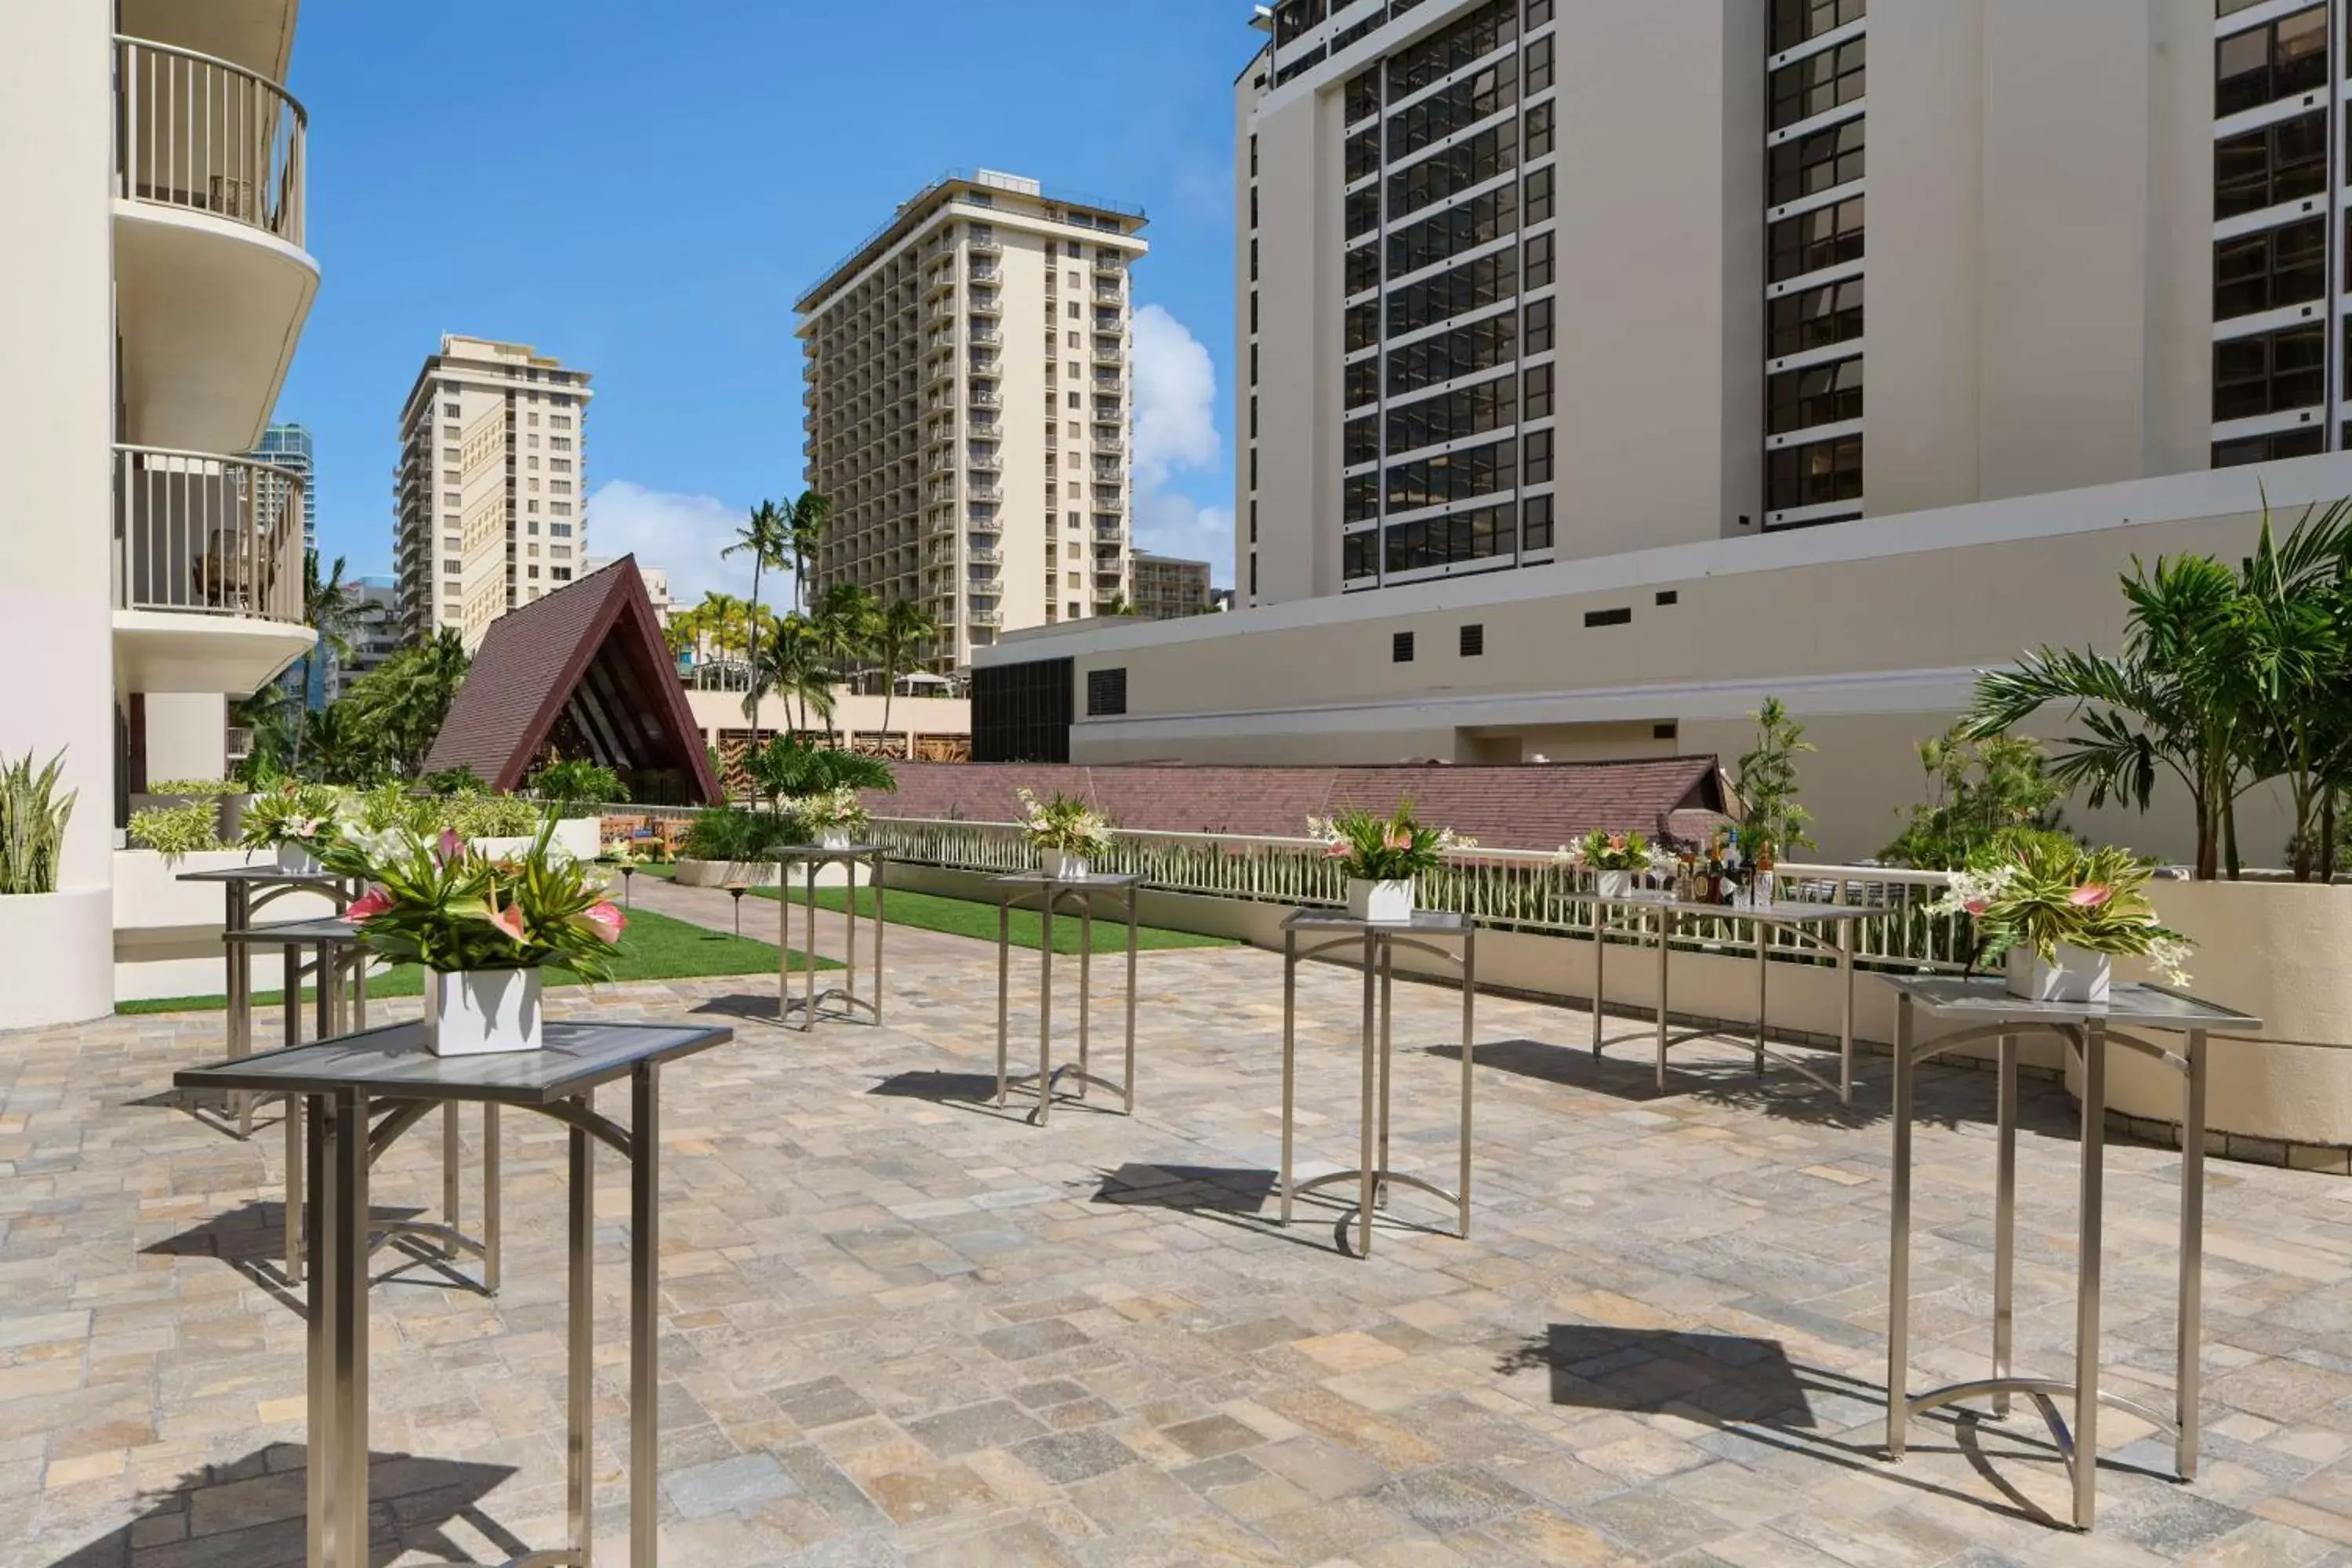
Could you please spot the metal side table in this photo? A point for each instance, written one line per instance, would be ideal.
(1048, 895)
(247, 889)
(813, 1003)
(1807, 922)
(1431, 931)
(364, 1091)
(1984, 1010)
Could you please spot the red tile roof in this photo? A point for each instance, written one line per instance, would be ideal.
(587, 661)
(1536, 806)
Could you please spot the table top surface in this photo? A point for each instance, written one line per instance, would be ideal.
(1047, 879)
(1792, 912)
(297, 933)
(394, 1062)
(1424, 922)
(1986, 999)
(830, 851)
(262, 874)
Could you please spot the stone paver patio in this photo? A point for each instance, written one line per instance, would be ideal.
(903, 1328)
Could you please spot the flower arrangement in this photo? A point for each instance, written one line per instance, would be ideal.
(1065, 827)
(836, 814)
(2039, 897)
(1382, 855)
(299, 821)
(1601, 851)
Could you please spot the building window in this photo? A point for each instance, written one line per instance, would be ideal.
(1446, 52)
(1106, 693)
(1617, 617)
(1535, 524)
(1537, 402)
(1539, 202)
(1810, 241)
(1537, 273)
(2266, 64)
(2269, 374)
(1474, 641)
(1538, 334)
(1359, 556)
(1452, 477)
(2263, 271)
(1447, 356)
(2271, 448)
(1794, 21)
(1815, 318)
(1470, 411)
(1455, 108)
(1817, 84)
(2281, 163)
(1817, 395)
(1813, 475)
(1401, 647)
(1821, 162)
(1669, 597)
(1455, 539)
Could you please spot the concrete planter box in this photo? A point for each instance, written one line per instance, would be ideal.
(232, 809)
(764, 874)
(579, 834)
(2276, 950)
(53, 950)
(166, 932)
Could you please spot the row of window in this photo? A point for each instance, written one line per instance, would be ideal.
(1821, 162)
(1818, 83)
(1479, 535)
(2267, 63)
(1432, 239)
(1795, 21)
(1489, 280)
(1452, 477)
(1451, 47)
(1814, 318)
(2280, 162)
(2277, 267)
(1816, 475)
(1457, 169)
(1463, 412)
(2269, 373)
(1817, 395)
(1824, 236)
(1442, 113)
(1463, 351)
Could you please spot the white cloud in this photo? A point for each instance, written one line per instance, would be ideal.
(682, 534)
(1176, 431)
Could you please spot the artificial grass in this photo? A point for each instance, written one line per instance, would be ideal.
(973, 918)
(654, 947)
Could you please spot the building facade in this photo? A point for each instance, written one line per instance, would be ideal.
(2057, 297)
(152, 301)
(491, 496)
(288, 446)
(1168, 587)
(969, 410)
(377, 632)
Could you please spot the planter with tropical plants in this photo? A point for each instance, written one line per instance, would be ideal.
(227, 798)
(728, 844)
(482, 926)
(2058, 915)
(1381, 856)
(837, 819)
(1616, 861)
(295, 822)
(56, 939)
(1068, 834)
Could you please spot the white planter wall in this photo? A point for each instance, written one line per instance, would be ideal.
(53, 958)
(167, 933)
(762, 874)
(579, 835)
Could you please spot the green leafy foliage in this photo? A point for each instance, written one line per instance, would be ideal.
(1982, 794)
(790, 768)
(454, 781)
(577, 782)
(730, 833)
(1065, 823)
(487, 816)
(1391, 848)
(1775, 823)
(450, 907)
(293, 813)
(1602, 851)
(32, 824)
(177, 829)
(207, 789)
(2048, 890)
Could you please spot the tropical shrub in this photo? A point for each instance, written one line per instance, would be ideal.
(730, 833)
(2049, 890)
(1767, 786)
(489, 816)
(292, 814)
(789, 768)
(1603, 852)
(177, 829)
(443, 904)
(1392, 848)
(454, 781)
(1982, 794)
(32, 824)
(1066, 824)
(574, 782)
(205, 787)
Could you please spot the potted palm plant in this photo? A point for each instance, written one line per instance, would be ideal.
(295, 821)
(2058, 915)
(837, 817)
(1067, 834)
(1614, 859)
(482, 926)
(1381, 856)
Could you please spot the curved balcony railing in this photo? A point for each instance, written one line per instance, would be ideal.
(207, 136)
(198, 533)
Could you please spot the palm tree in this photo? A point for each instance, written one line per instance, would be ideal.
(794, 666)
(847, 622)
(404, 701)
(904, 624)
(807, 520)
(327, 610)
(765, 536)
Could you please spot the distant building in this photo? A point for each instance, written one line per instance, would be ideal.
(1168, 587)
(288, 446)
(376, 632)
(488, 497)
(1220, 599)
(656, 581)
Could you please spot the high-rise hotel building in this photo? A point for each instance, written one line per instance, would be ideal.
(489, 498)
(969, 408)
(1523, 281)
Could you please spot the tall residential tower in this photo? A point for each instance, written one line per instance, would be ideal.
(969, 408)
(489, 496)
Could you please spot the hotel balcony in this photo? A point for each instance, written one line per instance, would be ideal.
(986, 396)
(981, 334)
(986, 245)
(212, 281)
(207, 570)
(985, 462)
(1110, 267)
(978, 618)
(984, 555)
(988, 304)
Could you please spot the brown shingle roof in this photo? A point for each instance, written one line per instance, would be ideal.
(585, 665)
(1535, 805)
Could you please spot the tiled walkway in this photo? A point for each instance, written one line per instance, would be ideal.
(902, 1328)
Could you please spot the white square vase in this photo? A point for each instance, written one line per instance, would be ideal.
(2078, 975)
(833, 838)
(295, 858)
(1613, 884)
(1380, 903)
(482, 1012)
(1069, 868)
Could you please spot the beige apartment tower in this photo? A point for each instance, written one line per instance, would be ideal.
(969, 408)
(491, 497)
(1169, 587)
(1728, 267)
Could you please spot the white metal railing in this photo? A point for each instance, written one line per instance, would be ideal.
(1514, 890)
(204, 135)
(216, 535)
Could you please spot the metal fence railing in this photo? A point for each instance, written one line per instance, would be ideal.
(208, 135)
(214, 535)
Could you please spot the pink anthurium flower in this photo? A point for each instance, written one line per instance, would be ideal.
(2090, 896)
(608, 921)
(450, 844)
(1976, 906)
(369, 905)
(509, 921)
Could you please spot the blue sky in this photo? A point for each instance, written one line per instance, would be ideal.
(642, 190)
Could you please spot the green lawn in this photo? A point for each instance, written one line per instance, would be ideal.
(654, 947)
(972, 918)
